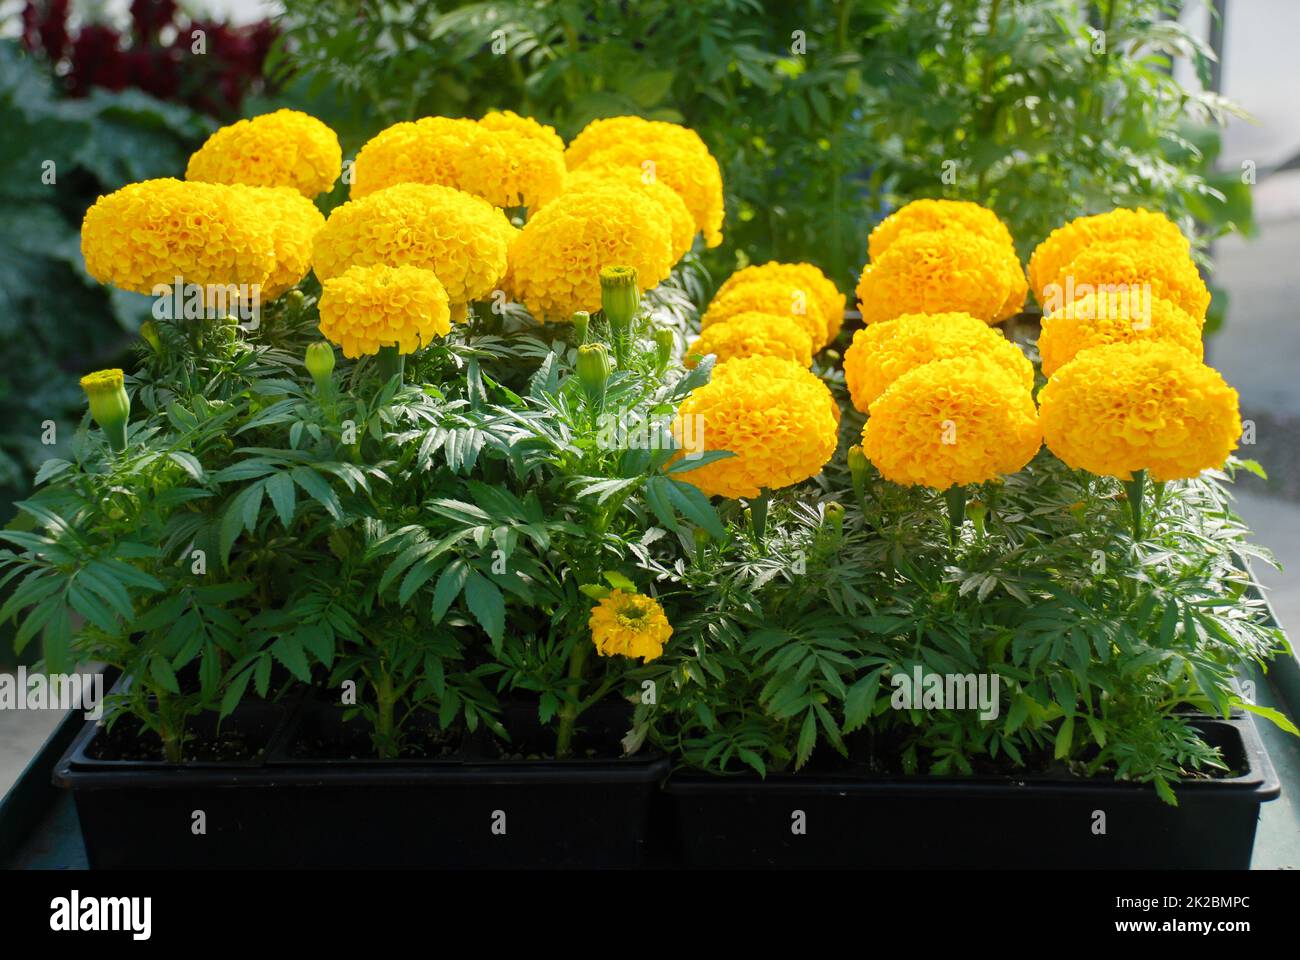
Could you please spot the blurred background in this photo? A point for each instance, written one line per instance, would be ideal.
(824, 115)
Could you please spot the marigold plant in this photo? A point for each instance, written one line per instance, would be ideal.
(286, 148)
(662, 151)
(952, 422)
(949, 271)
(1141, 405)
(557, 257)
(459, 237)
(805, 275)
(629, 625)
(883, 352)
(753, 334)
(1097, 319)
(1129, 267)
(147, 234)
(772, 414)
(781, 297)
(368, 307)
(1065, 243)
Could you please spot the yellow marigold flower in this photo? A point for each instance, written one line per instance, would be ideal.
(366, 308)
(753, 334)
(679, 218)
(294, 221)
(958, 421)
(459, 237)
(556, 259)
(774, 415)
(1100, 318)
(781, 297)
(511, 121)
(147, 234)
(883, 352)
(629, 625)
(920, 216)
(804, 275)
(662, 151)
(1140, 405)
(1129, 267)
(286, 148)
(508, 168)
(948, 271)
(1067, 242)
(429, 150)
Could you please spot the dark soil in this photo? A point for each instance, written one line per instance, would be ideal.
(128, 740)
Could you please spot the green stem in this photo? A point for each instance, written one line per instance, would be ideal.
(1136, 489)
(758, 514)
(386, 701)
(956, 497)
(572, 706)
(169, 729)
(391, 363)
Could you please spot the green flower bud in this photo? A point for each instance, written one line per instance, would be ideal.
(109, 405)
(593, 371)
(320, 363)
(620, 297)
(858, 470)
(581, 321)
(149, 333)
(664, 342)
(835, 515)
(294, 300)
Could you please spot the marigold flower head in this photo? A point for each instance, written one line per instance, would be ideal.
(679, 218)
(147, 234)
(1140, 405)
(459, 237)
(365, 308)
(556, 259)
(1129, 267)
(942, 271)
(804, 275)
(773, 414)
(1065, 243)
(286, 148)
(662, 151)
(920, 216)
(883, 352)
(1100, 318)
(629, 625)
(959, 421)
(511, 121)
(428, 150)
(781, 297)
(509, 168)
(294, 221)
(753, 334)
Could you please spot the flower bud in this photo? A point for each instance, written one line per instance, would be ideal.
(835, 515)
(294, 300)
(109, 405)
(320, 363)
(593, 370)
(620, 297)
(664, 342)
(149, 333)
(581, 321)
(858, 470)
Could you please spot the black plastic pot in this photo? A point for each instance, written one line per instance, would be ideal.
(466, 807)
(863, 822)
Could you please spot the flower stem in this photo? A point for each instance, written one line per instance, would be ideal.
(1136, 489)
(569, 712)
(391, 364)
(758, 514)
(956, 497)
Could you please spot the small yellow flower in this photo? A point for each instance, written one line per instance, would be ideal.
(753, 334)
(1139, 405)
(1098, 319)
(629, 625)
(294, 222)
(805, 276)
(286, 148)
(366, 308)
(679, 218)
(660, 151)
(1129, 267)
(883, 352)
(509, 120)
(923, 215)
(784, 298)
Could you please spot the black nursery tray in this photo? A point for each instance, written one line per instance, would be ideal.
(459, 806)
(840, 820)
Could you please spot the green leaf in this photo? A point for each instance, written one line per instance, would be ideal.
(1063, 737)
(487, 604)
(449, 587)
(280, 489)
(691, 502)
(163, 674)
(288, 650)
(1275, 716)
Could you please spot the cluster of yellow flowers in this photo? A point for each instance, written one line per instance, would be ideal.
(658, 151)
(941, 256)
(630, 625)
(778, 419)
(367, 307)
(1121, 345)
(760, 305)
(753, 334)
(508, 160)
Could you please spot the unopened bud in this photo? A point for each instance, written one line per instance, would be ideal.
(581, 321)
(109, 405)
(620, 297)
(319, 362)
